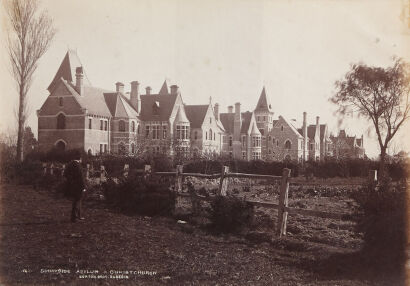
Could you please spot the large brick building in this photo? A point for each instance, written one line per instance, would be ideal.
(78, 115)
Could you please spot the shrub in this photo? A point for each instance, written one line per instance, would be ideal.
(230, 214)
(383, 222)
(134, 195)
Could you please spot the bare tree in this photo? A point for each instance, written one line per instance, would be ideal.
(29, 37)
(380, 95)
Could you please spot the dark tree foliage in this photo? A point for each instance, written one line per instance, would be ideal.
(381, 95)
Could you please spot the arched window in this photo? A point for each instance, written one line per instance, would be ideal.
(210, 134)
(60, 145)
(196, 135)
(89, 152)
(288, 145)
(121, 126)
(132, 148)
(133, 127)
(138, 129)
(61, 121)
(288, 158)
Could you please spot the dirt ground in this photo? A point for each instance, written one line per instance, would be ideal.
(39, 246)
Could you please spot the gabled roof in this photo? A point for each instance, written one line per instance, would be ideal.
(296, 131)
(311, 131)
(246, 121)
(151, 113)
(264, 102)
(164, 89)
(92, 99)
(67, 70)
(196, 114)
(119, 105)
(227, 120)
(181, 117)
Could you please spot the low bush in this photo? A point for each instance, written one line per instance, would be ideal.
(383, 223)
(230, 214)
(134, 195)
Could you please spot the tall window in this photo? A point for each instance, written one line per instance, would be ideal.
(243, 141)
(90, 123)
(281, 128)
(182, 132)
(132, 148)
(206, 135)
(230, 140)
(256, 155)
(61, 121)
(256, 141)
(101, 148)
(210, 134)
(105, 125)
(155, 132)
(214, 136)
(288, 145)
(101, 124)
(105, 148)
(121, 126)
(196, 135)
(60, 101)
(164, 132)
(133, 127)
(147, 131)
(138, 129)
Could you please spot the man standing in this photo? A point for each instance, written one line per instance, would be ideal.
(76, 187)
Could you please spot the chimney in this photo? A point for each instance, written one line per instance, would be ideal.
(304, 132)
(135, 96)
(174, 89)
(237, 124)
(119, 87)
(79, 76)
(230, 109)
(148, 90)
(216, 111)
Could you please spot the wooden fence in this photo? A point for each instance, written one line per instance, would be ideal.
(282, 205)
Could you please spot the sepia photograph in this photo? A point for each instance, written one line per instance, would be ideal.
(219, 142)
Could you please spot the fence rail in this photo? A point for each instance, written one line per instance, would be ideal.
(281, 206)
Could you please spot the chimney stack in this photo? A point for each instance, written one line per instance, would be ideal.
(119, 87)
(79, 76)
(317, 120)
(135, 96)
(237, 125)
(230, 109)
(216, 111)
(174, 89)
(148, 90)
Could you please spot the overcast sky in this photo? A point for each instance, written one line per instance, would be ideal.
(225, 49)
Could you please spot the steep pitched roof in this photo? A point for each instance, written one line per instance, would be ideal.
(181, 117)
(296, 131)
(164, 89)
(263, 102)
(119, 105)
(67, 70)
(246, 120)
(92, 99)
(311, 131)
(227, 120)
(157, 107)
(196, 114)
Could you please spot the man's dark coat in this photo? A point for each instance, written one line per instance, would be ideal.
(75, 179)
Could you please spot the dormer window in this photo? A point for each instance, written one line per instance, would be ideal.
(61, 121)
(281, 128)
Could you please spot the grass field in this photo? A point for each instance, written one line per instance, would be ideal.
(38, 241)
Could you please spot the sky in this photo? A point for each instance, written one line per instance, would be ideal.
(227, 50)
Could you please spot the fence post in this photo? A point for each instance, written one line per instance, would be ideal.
(102, 173)
(51, 169)
(126, 169)
(87, 172)
(147, 171)
(283, 203)
(223, 183)
(178, 178)
(373, 176)
(44, 169)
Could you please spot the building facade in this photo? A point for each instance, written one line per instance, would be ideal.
(78, 115)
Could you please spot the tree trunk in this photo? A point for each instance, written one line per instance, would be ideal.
(382, 164)
(20, 133)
